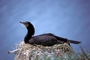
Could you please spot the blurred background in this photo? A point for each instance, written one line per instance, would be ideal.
(65, 18)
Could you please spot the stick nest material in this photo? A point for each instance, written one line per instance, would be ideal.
(38, 52)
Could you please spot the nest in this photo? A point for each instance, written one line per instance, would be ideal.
(38, 52)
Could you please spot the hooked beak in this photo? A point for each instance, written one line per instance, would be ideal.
(21, 22)
(24, 23)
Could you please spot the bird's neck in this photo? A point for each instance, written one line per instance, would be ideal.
(29, 34)
(27, 38)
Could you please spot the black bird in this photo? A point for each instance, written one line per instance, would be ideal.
(47, 39)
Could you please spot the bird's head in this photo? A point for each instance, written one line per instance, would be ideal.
(27, 23)
(29, 26)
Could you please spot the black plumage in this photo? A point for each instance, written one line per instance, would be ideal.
(47, 39)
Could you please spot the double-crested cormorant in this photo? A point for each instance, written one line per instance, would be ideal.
(47, 39)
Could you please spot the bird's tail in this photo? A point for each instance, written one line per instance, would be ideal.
(74, 42)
